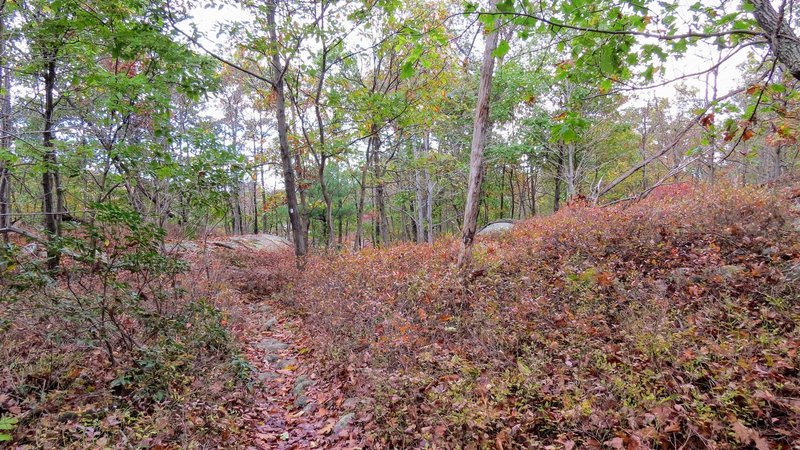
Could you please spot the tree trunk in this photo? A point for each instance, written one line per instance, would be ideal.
(362, 193)
(290, 185)
(557, 188)
(534, 174)
(5, 129)
(50, 206)
(381, 224)
(236, 210)
(570, 171)
(479, 132)
(326, 196)
(503, 191)
(783, 41)
(429, 209)
(511, 190)
(419, 226)
(341, 228)
(430, 186)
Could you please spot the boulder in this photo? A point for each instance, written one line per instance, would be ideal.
(498, 227)
(266, 242)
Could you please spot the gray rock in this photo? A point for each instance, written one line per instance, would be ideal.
(310, 407)
(301, 402)
(301, 384)
(793, 272)
(272, 345)
(351, 403)
(343, 423)
(284, 363)
(729, 271)
(270, 323)
(683, 276)
(495, 228)
(266, 376)
(252, 241)
(181, 247)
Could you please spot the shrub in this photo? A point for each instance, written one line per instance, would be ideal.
(664, 323)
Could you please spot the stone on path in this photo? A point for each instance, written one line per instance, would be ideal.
(272, 345)
(343, 423)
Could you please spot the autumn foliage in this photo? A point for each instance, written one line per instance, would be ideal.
(664, 324)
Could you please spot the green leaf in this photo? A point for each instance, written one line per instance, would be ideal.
(407, 70)
(470, 7)
(502, 49)
(607, 59)
(506, 6)
(8, 423)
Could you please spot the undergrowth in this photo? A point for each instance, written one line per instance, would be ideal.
(664, 324)
(123, 348)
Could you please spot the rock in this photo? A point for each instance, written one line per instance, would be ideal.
(284, 363)
(729, 271)
(301, 401)
(270, 323)
(272, 345)
(310, 407)
(266, 376)
(182, 247)
(793, 272)
(495, 228)
(343, 423)
(351, 403)
(251, 241)
(301, 384)
(682, 276)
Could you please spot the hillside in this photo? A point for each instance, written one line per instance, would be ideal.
(672, 323)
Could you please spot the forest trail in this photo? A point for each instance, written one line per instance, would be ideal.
(294, 407)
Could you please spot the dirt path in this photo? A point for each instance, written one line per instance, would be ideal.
(295, 408)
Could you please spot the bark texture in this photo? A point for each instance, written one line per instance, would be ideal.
(783, 40)
(479, 133)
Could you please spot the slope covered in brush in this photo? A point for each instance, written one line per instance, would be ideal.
(665, 323)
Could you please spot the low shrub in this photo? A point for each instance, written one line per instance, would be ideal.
(113, 351)
(671, 322)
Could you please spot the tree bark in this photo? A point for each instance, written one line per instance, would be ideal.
(362, 193)
(534, 174)
(479, 132)
(326, 196)
(5, 129)
(419, 226)
(50, 206)
(381, 224)
(290, 185)
(559, 172)
(783, 40)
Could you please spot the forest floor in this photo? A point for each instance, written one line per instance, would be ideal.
(296, 405)
(670, 323)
